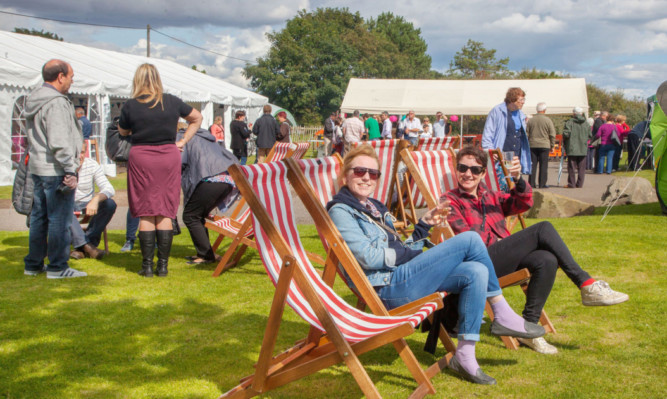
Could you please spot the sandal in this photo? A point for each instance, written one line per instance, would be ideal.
(195, 260)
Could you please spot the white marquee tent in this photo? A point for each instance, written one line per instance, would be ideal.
(102, 82)
(460, 97)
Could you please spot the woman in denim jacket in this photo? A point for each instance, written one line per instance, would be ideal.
(401, 272)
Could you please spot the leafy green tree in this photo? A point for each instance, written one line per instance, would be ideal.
(311, 61)
(194, 68)
(34, 32)
(474, 61)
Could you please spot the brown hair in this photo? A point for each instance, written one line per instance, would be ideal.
(53, 68)
(361, 150)
(481, 156)
(147, 83)
(513, 94)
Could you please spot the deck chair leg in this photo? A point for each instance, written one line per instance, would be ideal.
(510, 342)
(217, 242)
(225, 263)
(414, 367)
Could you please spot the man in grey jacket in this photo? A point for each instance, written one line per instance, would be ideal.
(266, 129)
(55, 140)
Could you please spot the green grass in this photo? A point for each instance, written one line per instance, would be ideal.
(116, 335)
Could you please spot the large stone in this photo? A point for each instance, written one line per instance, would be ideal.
(629, 190)
(549, 205)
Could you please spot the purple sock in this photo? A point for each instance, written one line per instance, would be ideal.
(465, 354)
(506, 316)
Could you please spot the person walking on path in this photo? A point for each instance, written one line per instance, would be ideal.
(55, 140)
(576, 134)
(542, 139)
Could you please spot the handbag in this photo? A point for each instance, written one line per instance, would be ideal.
(117, 146)
(614, 137)
(23, 188)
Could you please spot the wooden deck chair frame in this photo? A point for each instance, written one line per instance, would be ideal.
(326, 343)
(238, 226)
(85, 219)
(339, 255)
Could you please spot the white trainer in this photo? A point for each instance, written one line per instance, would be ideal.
(600, 294)
(539, 345)
(67, 273)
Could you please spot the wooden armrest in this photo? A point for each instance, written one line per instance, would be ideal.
(412, 307)
(517, 278)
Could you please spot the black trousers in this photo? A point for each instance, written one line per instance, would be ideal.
(540, 249)
(205, 197)
(539, 156)
(576, 164)
(633, 148)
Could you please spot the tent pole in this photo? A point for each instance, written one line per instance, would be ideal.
(148, 41)
(461, 138)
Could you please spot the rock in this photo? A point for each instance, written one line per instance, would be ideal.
(635, 190)
(550, 205)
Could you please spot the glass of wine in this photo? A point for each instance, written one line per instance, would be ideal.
(507, 159)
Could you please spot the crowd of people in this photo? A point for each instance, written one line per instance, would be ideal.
(167, 156)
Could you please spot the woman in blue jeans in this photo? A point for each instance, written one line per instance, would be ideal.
(607, 146)
(401, 272)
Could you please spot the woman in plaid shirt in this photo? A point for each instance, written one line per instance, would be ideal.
(538, 248)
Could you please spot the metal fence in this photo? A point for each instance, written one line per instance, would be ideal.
(300, 134)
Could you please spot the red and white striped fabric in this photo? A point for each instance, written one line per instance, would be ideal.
(491, 179)
(322, 174)
(386, 150)
(435, 143)
(437, 169)
(226, 224)
(269, 183)
(300, 150)
(280, 151)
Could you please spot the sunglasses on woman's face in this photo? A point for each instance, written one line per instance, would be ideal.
(475, 170)
(359, 171)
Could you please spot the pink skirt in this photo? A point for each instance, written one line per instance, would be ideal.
(154, 180)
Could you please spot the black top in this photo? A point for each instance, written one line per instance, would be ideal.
(153, 126)
(240, 133)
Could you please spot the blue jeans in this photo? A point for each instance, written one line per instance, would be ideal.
(131, 227)
(50, 218)
(460, 265)
(606, 152)
(96, 225)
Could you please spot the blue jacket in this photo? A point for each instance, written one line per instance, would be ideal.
(495, 131)
(369, 242)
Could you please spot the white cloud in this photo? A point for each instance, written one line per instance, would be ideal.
(657, 25)
(532, 23)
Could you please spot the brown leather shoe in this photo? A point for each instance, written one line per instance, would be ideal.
(76, 255)
(93, 252)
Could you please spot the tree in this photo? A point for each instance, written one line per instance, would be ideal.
(476, 62)
(194, 68)
(33, 32)
(311, 61)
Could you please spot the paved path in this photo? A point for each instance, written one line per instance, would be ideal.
(592, 191)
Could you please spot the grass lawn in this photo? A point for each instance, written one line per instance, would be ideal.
(116, 335)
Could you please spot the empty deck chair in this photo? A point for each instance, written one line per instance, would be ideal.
(338, 332)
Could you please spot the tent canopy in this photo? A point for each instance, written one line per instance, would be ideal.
(105, 72)
(460, 97)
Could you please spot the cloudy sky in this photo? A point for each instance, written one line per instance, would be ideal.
(612, 43)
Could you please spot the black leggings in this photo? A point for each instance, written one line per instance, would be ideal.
(202, 201)
(540, 249)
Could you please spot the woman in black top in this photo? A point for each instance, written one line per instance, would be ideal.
(240, 135)
(154, 165)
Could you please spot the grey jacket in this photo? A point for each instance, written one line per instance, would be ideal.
(202, 157)
(541, 132)
(54, 133)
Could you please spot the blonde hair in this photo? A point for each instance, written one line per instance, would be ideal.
(620, 118)
(147, 83)
(361, 150)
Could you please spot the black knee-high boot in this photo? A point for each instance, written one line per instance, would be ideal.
(147, 243)
(164, 239)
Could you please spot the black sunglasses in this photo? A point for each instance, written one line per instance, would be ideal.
(359, 171)
(476, 170)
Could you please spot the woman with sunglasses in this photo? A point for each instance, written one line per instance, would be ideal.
(538, 248)
(401, 272)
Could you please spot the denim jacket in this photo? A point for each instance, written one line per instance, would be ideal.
(369, 242)
(495, 132)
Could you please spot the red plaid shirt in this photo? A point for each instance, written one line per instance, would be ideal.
(486, 213)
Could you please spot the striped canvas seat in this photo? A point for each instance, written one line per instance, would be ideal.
(339, 332)
(322, 174)
(437, 170)
(233, 226)
(437, 143)
(386, 152)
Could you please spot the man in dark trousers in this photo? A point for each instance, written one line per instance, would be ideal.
(576, 134)
(266, 129)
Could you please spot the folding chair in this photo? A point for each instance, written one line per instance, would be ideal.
(437, 143)
(238, 226)
(315, 185)
(338, 332)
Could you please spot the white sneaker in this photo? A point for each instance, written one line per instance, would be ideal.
(67, 273)
(599, 294)
(539, 345)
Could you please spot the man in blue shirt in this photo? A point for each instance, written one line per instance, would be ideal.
(86, 126)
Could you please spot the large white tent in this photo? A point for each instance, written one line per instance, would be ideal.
(102, 82)
(460, 97)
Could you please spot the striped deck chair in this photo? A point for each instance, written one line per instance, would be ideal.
(238, 226)
(338, 332)
(314, 183)
(437, 143)
(388, 155)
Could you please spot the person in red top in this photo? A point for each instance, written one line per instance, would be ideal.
(217, 130)
(539, 248)
(623, 130)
